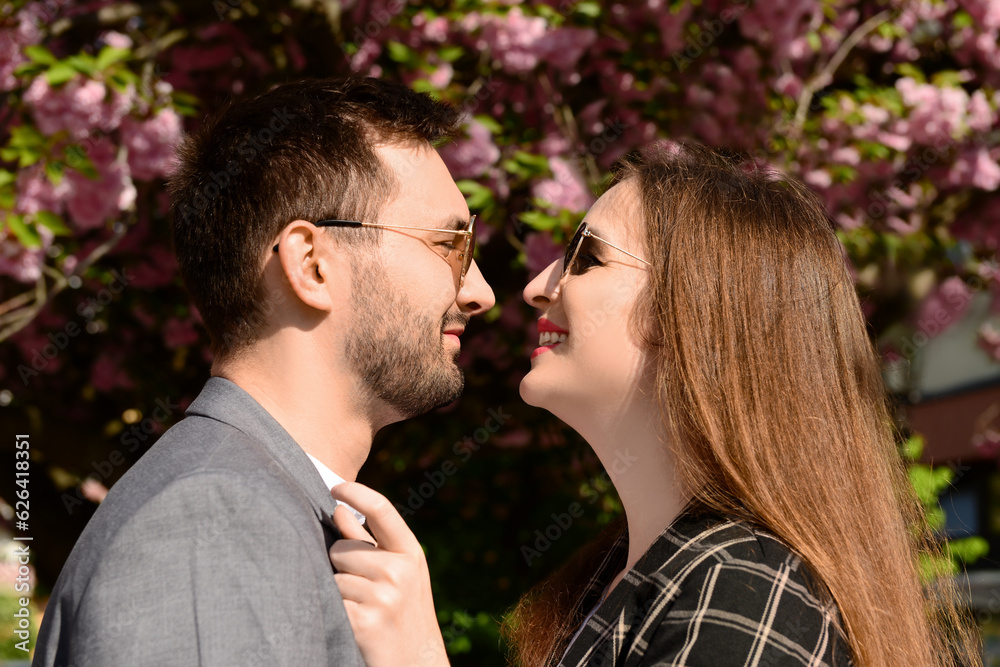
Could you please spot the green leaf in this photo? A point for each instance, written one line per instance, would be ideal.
(912, 71)
(947, 79)
(55, 170)
(27, 235)
(913, 448)
(6, 177)
(26, 136)
(53, 223)
(84, 63)
(539, 220)
(489, 123)
(962, 19)
(40, 54)
(591, 9)
(814, 41)
(109, 55)
(121, 78)
(59, 74)
(477, 195)
(401, 53)
(934, 567)
(968, 550)
(29, 156)
(450, 54)
(76, 158)
(29, 70)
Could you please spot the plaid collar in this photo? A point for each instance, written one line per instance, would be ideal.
(710, 590)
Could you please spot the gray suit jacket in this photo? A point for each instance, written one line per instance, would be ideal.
(211, 550)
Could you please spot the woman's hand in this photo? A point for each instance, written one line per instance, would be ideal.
(386, 586)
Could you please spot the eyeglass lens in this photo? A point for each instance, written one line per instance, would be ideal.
(573, 248)
(469, 244)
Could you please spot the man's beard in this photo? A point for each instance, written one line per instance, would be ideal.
(397, 352)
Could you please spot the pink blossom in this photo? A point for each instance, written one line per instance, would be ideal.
(116, 40)
(469, 158)
(818, 178)
(747, 61)
(158, 270)
(975, 167)
(989, 341)
(846, 155)
(367, 54)
(107, 374)
(979, 226)
(563, 47)
(20, 263)
(935, 113)
(514, 39)
(540, 251)
(789, 84)
(93, 490)
(13, 40)
(554, 144)
(985, 12)
(944, 306)
(151, 143)
(92, 203)
(981, 116)
(35, 192)
(442, 75)
(777, 24)
(671, 26)
(179, 333)
(434, 30)
(567, 188)
(79, 106)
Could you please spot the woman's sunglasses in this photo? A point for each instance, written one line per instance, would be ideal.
(583, 233)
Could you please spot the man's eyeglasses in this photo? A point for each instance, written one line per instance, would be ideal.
(461, 247)
(573, 249)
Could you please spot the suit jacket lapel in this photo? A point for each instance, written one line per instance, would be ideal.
(226, 402)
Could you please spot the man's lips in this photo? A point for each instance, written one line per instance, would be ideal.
(453, 334)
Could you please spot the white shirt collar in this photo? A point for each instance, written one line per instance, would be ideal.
(332, 479)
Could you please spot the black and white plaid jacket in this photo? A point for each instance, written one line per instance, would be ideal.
(710, 592)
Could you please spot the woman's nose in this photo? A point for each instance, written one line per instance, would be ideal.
(540, 292)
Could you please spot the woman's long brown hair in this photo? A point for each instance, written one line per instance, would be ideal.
(773, 401)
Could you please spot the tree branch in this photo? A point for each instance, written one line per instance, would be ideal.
(825, 75)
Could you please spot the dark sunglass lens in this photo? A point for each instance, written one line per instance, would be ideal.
(572, 249)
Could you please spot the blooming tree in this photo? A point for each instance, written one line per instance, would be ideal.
(889, 110)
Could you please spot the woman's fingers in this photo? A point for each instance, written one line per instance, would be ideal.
(363, 560)
(354, 588)
(383, 520)
(349, 526)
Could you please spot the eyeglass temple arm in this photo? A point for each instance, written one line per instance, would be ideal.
(587, 232)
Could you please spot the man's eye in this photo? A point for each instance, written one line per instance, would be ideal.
(447, 245)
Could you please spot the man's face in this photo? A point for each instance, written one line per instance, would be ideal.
(407, 308)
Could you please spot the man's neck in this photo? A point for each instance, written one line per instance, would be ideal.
(316, 407)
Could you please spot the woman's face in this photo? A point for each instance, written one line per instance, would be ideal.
(587, 362)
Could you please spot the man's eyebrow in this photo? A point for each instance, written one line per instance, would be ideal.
(456, 222)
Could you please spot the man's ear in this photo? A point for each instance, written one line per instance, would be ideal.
(306, 260)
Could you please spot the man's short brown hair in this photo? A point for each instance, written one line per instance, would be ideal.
(304, 150)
